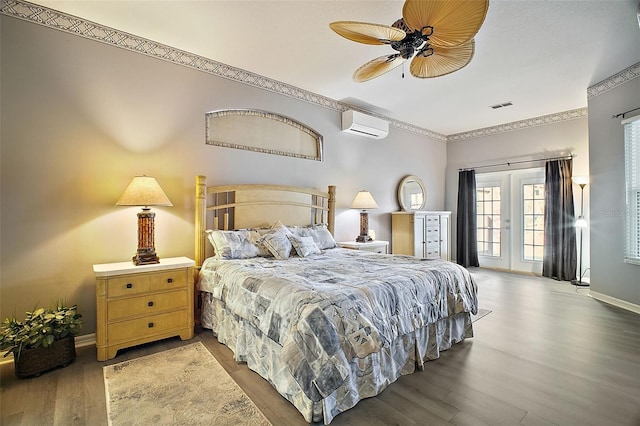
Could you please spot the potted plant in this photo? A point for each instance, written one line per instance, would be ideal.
(44, 340)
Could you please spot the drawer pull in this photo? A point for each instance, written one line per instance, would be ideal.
(169, 280)
(150, 304)
(150, 325)
(129, 285)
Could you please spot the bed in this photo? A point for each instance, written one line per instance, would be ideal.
(326, 326)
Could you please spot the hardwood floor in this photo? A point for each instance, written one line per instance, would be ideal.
(547, 354)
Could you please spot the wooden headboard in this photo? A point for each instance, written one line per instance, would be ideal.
(255, 205)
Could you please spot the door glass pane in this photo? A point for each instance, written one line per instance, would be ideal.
(533, 220)
(488, 220)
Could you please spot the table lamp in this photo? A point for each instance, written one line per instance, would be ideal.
(364, 201)
(144, 191)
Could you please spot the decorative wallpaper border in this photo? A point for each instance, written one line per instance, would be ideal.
(614, 81)
(520, 125)
(71, 24)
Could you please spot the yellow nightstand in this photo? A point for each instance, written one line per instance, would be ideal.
(140, 304)
(373, 246)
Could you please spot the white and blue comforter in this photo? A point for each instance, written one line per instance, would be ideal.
(330, 308)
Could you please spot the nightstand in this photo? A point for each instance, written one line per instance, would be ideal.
(141, 304)
(373, 246)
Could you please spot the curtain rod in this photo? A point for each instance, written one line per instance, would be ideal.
(564, 157)
(623, 113)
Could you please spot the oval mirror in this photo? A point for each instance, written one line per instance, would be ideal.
(411, 193)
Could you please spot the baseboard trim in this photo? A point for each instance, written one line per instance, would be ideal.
(615, 302)
(81, 342)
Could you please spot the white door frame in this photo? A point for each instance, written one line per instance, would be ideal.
(504, 260)
(512, 219)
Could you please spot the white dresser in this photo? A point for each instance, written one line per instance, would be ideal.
(424, 234)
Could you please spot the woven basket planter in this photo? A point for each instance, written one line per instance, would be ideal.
(35, 361)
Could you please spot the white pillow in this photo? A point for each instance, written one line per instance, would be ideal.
(304, 246)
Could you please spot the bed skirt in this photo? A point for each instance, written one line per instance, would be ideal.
(369, 375)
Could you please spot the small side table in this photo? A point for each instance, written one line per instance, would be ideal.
(141, 304)
(377, 246)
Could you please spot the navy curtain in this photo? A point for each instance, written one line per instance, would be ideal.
(466, 238)
(560, 258)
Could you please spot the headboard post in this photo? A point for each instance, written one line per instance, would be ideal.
(332, 208)
(200, 222)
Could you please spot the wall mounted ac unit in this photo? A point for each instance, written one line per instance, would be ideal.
(364, 125)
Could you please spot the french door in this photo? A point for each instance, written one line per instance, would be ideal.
(510, 220)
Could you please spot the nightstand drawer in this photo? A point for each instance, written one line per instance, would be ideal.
(375, 249)
(377, 246)
(146, 305)
(140, 328)
(143, 283)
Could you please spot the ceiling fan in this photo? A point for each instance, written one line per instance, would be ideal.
(437, 34)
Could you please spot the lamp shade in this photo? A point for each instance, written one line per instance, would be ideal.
(364, 201)
(580, 180)
(143, 191)
(581, 222)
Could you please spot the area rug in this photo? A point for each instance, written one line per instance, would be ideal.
(180, 386)
(481, 313)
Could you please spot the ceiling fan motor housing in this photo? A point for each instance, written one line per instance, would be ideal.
(414, 40)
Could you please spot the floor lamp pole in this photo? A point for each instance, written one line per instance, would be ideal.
(581, 223)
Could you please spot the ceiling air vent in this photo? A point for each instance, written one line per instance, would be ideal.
(506, 104)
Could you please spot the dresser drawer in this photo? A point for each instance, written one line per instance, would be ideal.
(146, 305)
(140, 328)
(143, 283)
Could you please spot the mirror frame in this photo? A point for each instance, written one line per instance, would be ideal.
(401, 185)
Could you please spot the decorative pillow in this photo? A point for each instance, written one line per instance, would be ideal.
(238, 244)
(324, 239)
(320, 234)
(256, 239)
(304, 246)
(304, 231)
(277, 242)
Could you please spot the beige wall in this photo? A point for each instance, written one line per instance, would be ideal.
(80, 118)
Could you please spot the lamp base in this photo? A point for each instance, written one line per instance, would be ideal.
(145, 258)
(580, 283)
(364, 228)
(146, 253)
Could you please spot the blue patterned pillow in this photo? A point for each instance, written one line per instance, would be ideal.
(324, 239)
(304, 246)
(278, 243)
(238, 244)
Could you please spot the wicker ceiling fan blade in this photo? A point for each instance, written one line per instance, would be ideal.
(377, 67)
(367, 33)
(454, 22)
(443, 61)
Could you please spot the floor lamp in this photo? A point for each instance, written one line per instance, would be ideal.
(581, 224)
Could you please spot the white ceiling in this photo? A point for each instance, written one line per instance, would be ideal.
(541, 55)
